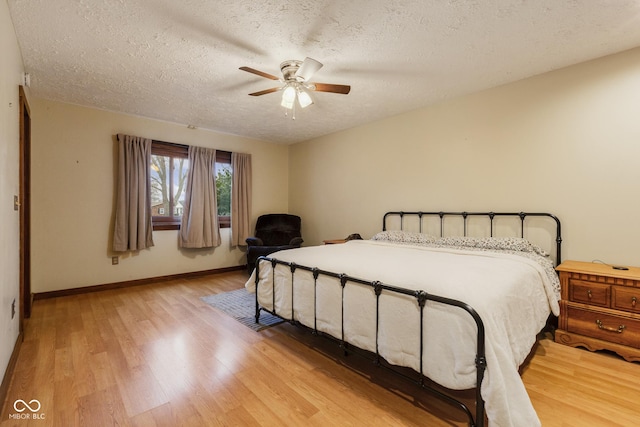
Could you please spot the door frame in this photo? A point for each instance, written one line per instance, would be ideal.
(24, 206)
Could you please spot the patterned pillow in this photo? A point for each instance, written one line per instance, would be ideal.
(408, 237)
(539, 250)
(515, 244)
(500, 243)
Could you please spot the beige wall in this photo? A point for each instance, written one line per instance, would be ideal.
(11, 69)
(566, 142)
(73, 169)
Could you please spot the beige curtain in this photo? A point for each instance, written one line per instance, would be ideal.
(133, 225)
(240, 198)
(199, 227)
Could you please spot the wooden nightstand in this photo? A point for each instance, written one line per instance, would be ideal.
(600, 308)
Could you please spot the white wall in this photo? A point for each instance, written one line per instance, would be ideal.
(11, 69)
(566, 142)
(73, 181)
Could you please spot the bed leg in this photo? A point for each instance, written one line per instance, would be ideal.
(481, 366)
(257, 309)
(345, 349)
(257, 272)
(551, 325)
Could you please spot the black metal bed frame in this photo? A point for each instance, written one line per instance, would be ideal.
(421, 298)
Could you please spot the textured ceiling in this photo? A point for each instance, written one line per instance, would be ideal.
(178, 60)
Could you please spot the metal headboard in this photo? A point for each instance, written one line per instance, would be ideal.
(490, 215)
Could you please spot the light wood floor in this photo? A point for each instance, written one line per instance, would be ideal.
(156, 355)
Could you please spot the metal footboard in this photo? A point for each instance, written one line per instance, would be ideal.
(421, 297)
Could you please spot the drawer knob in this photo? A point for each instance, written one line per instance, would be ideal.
(589, 295)
(607, 328)
(634, 300)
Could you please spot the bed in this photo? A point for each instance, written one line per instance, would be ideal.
(438, 293)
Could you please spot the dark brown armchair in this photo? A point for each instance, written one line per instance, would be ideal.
(274, 232)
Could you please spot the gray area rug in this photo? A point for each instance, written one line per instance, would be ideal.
(241, 305)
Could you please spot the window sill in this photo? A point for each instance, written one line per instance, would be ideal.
(160, 227)
(222, 223)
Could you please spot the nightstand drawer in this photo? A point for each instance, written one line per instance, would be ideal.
(627, 299)
(606, 327)
(589, 293)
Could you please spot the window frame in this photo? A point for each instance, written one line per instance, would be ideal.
(173, 150)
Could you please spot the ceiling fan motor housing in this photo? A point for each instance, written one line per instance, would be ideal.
(289, 70)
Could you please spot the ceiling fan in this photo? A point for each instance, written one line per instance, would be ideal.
(296, 84)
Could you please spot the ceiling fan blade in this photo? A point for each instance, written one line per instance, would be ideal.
(308, 68)
(325, 87)
(260, 73)
(266, 91)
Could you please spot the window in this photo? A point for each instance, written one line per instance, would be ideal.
(169, 166)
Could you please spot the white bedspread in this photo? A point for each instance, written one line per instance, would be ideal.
(512, 294)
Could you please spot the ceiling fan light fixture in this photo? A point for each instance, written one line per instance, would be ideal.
(304, 98)
(288, 96)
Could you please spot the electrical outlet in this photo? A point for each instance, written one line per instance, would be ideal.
(13, 308)
(115, 260)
